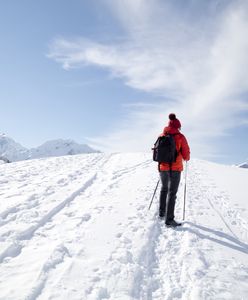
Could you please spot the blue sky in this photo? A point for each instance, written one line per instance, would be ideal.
(108, 72)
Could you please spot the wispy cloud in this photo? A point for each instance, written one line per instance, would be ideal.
(193, 53)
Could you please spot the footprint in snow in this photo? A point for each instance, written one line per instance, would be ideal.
(135, 229)
(99, 209)
(86, 218)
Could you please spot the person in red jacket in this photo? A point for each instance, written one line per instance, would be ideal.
(170, 174)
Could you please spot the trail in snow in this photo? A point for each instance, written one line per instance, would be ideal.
(204, 259)
(79, 228)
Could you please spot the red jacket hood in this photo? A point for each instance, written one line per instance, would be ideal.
(170, 130)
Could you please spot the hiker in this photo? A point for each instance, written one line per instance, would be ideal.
(170, 173)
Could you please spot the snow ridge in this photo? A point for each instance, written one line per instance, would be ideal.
(244, 165)
(12, 151)
(57, 257)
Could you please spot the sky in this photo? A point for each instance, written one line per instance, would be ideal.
(108, 73)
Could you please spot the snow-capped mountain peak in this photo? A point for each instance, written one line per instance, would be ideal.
(60, 147)
(13, 151)
(244, 165)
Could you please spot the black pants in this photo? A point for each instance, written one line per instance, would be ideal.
(170, 181)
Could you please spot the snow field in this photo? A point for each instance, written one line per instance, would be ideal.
(78, 227)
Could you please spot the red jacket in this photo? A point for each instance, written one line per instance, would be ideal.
(182, 149)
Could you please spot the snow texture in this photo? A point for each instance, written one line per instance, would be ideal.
(78, 227)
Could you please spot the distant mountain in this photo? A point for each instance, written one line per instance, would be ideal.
(12, 151)
(3, 160)
(244, 165)
(59, 148)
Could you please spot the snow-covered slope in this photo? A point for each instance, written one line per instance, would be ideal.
(78, 227)
(13, 151)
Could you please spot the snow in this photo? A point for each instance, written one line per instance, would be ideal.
(78, 227)
(13, 151)
(60, 147)
(244, 165)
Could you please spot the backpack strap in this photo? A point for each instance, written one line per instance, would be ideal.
(170, 164)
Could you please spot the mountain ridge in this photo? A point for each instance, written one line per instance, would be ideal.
(10, 150)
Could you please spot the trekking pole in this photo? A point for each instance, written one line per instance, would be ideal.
(185, 189)
(153, 195)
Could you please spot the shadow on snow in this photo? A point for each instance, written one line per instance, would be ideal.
(230, 242)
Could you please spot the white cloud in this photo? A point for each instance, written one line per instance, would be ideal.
(197, 58)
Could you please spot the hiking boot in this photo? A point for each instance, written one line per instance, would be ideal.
(161, 215)
(172, 223)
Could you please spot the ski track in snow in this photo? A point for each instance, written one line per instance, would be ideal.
(78, 228)
(31, 209)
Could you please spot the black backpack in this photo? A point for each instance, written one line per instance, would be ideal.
(164, 150)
